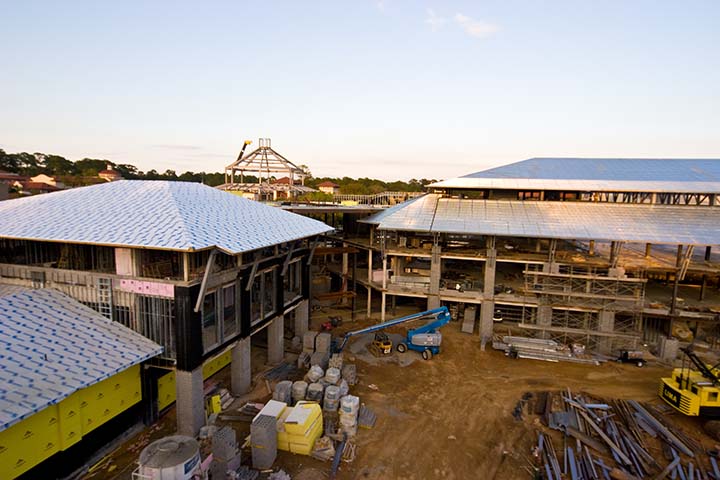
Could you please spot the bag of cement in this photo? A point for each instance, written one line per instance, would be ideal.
(349, 406)
(283, 392)
(314, 392)
(349, 373)
(332, 376)
(315, 373)
(344, 387)
(299, 391)
(332, 398)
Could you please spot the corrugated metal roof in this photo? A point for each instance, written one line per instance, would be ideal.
(598, 174)
(405, 209)
(51, 346)
(153, 214)
(564, 220)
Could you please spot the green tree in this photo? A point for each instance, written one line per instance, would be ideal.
(57, 165)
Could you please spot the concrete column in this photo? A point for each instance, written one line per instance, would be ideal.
(369, 302)
(648, 249)
(276, 340)
(190, 403)
(591, 248)
(240, 367)
(678, 258)
(370, 266)
(384, 273)
(606, 324)
(544, 316)
(345, 274)
(382, 307)
(435, 274)
(708, 253)
(302, 318)
(488, 305)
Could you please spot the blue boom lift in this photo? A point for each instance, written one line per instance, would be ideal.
(425, 339)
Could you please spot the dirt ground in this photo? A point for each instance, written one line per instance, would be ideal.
(448, 418)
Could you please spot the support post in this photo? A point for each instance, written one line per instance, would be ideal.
(435, 274)
(345, 274)
(190, 403)
(591, 248)
(276, 340)
(382, 306)
(606, 324)
(487, 308)
(708, 253)
(648, 250)
(240, 367)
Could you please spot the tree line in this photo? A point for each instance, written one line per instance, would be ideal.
(85, 171)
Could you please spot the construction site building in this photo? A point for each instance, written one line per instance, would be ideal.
(610, 253)
(275, 177)
(195, 270)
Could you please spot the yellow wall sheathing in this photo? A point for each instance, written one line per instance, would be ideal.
(58, 427)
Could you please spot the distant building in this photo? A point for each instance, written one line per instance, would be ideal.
(329, 187)
(110, 174)
(47, 179)
(28, 187)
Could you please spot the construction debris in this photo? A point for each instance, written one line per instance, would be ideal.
(611, 440)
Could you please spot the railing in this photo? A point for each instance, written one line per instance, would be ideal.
(382, 198)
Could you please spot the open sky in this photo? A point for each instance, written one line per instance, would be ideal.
(388, 89)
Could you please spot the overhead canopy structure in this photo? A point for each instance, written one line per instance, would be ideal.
(597, 174)
(164, 215)
(563, 220)
(264, 163)
(52, 346)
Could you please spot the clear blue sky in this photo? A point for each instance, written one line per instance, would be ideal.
(388, 89)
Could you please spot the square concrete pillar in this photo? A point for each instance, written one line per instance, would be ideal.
(190, 402)
(302, 318)
(486, 322)
(241, 368)
(276, 340)
(433, 302)
(606, 323)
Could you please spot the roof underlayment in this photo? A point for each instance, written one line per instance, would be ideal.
(597, 174)
(667, 224)
(180, 216)
(52, 346)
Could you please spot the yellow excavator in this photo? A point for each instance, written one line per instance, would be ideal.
(695, 392)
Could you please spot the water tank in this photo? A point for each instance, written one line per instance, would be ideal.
(170, 458)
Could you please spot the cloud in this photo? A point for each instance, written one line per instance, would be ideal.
(380, 4)
(435, 22)
(475, 28)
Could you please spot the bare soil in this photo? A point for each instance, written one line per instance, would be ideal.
(448, 418)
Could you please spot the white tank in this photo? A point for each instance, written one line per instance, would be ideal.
(170, 458)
